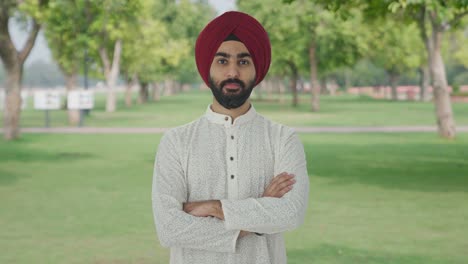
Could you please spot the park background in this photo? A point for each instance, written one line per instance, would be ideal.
(388, 178)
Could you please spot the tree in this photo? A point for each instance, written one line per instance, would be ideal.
(278, 20)
(65, 30)
(440, 16)
(394, 48)
(156, 48)
(434, 18)
(110, 22)
(304, 34)
(13, 59)
(184, 20)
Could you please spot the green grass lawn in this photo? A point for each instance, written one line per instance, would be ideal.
(179, 109)
(375, 198)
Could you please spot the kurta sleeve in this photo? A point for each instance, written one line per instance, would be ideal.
(273, 215)
(175, 228)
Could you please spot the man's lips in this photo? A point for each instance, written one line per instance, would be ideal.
(232, 86)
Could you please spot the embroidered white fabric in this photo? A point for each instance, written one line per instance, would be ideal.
(214, 158)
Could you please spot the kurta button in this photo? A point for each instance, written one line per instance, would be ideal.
(232, 137)
(232, 158)
(232, 176)
(226, 118)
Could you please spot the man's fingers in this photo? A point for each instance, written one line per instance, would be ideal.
(281, 184)
(280, 180)
(286, 184)
(282, 177)
(284, 191)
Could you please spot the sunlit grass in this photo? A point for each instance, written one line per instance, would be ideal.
(375, 198)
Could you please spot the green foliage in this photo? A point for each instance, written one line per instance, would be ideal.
(294, 27)
(65, 31)
(460, 79)
(396, 47)
(161, 45)
(455, 46)
(75, 26)
(366, 73)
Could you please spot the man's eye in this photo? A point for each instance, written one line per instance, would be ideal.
(222, 61)
(244, 62)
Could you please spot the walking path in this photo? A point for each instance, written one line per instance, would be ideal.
(153, 130)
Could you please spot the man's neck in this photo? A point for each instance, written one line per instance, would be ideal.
(233, 113)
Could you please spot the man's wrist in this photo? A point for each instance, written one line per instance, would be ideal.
(218, 209)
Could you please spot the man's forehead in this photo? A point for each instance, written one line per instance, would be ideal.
(232, 47)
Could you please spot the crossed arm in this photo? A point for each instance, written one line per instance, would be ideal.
(217, 225)
(279, 186)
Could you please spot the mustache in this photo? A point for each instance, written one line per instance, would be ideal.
(232, 80)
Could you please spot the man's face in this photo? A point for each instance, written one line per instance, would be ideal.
(232, 74)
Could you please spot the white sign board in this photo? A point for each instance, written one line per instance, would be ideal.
(24, 99)
(80, 99)
(47, 100)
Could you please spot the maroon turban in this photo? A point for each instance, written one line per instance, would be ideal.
(247, 29)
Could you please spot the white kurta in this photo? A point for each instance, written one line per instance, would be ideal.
(214, 158)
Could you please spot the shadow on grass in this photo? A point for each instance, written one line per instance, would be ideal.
(19, 153)
(31, 155)
(8, 177)
(336, 254)
(420, 167)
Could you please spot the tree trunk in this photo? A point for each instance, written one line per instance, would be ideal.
(293, 83)
(70, 84)
(443, 105)
(111, 71)
(315, 87)
(424, 81)
(393, 80)
(323, 86)
(270, 88)
(156, 92)
(12, 107)
(333, 87)
(131, 82)
(281, 89)
(128, 92)
(13, 61)
(347, 79)
(259, 89)
(144, 93)
(168, 87)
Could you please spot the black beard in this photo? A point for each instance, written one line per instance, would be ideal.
(230, 101)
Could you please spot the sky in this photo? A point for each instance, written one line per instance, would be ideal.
(41, 52)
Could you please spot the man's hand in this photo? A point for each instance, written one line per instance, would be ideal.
(280, 185)
(208, 208)
(204, 209)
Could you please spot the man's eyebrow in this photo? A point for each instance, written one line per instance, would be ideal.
(243, 55)
(239, 56)
(222, 54)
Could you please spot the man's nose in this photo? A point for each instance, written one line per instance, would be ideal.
(232, 71)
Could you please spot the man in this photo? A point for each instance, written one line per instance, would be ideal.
(227, 185)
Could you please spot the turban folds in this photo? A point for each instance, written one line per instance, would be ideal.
(243, 26)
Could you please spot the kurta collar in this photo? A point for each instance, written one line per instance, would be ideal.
(227, 120)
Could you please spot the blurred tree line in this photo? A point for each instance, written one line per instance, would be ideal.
(325, 39)
(149, 44)
(363, 73)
